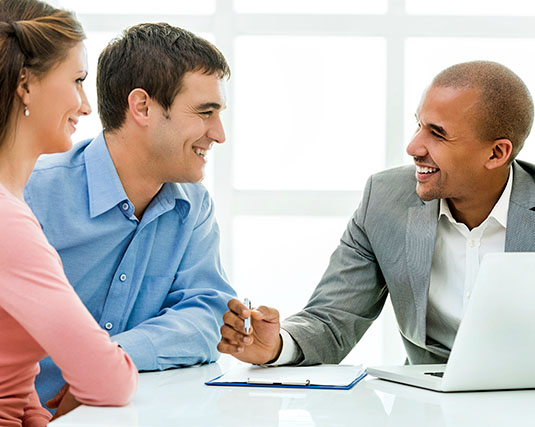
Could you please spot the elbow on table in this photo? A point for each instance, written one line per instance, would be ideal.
(126, 389)
(115, 390)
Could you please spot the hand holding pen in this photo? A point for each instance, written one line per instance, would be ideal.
(250, 334)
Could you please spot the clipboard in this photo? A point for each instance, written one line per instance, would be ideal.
(329, 377)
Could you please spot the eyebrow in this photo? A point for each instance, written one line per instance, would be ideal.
(209, 105)
(438, 129)
(435, 128)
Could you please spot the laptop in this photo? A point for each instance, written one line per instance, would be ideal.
(495, 345)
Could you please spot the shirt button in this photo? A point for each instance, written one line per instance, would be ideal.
(125, 206)
(122, 277)
(108, 325)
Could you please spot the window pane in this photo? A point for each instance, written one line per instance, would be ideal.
(309, 112)
(381, 344)
(311, 6)
(208, 180)
(139, 6)
(419, 70)
(278, 261)
(472, 7)
(90, 126)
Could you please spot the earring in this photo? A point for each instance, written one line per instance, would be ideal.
(26, 111)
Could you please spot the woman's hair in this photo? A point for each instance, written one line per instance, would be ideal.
(33, 36)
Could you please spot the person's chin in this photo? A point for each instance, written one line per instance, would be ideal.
(66, 146)
(199, 176)
(60, 147)
(198, 180)
(188, 178)
(426, 194)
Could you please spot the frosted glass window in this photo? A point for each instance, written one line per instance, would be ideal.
(279, 260)
(472, 7)
(309, 112)
(381, 344)
(420, 70)
(139, 6)
(311, 6)
(90, 126)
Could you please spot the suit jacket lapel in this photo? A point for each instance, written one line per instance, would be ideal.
(419, 245)
(421, 235)
(520, 234)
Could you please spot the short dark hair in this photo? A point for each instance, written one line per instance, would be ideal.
(35, 36)
(154, 57)
(505, 106)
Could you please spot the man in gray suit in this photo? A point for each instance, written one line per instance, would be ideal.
(419, 232)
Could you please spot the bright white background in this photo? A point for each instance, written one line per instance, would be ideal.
(323, 94)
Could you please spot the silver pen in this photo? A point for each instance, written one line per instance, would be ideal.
(247, 304)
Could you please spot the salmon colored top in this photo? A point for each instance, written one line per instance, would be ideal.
(40, 314)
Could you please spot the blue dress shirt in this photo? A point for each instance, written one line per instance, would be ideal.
(156, 285)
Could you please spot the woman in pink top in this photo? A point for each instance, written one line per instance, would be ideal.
(42, 66)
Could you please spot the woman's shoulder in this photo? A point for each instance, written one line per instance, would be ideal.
(14, 213)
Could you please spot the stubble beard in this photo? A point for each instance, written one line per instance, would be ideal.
(428, 194)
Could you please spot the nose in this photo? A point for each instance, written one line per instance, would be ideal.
(85, 107)
(216, 132)
(416, 147)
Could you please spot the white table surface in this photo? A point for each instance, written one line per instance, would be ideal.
(179, 397)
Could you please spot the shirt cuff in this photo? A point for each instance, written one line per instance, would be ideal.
(140, 349)
(289, 351)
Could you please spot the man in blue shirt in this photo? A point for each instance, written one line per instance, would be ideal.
(135, 231)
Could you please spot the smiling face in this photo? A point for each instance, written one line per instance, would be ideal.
(183, 135)
(449, 156)
(57, 100)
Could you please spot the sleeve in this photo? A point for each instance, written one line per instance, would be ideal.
(290, 352)
(36, 293)
(186, 330)
(34, 414)
(349, 297)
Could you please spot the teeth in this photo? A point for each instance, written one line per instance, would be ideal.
(200, 152)
(421, 169)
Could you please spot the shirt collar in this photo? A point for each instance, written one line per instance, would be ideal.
(172, 195)
(106, 190)
(103, 183)
(499, 211)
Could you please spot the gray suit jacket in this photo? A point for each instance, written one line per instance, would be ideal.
(388, 248)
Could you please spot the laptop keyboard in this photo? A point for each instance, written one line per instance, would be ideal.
(435, 374)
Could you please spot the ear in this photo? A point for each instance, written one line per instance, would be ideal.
(501, 153)
(23, 88)
(138, 106)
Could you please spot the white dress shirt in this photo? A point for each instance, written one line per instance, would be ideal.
(458, 253)
(456, 258)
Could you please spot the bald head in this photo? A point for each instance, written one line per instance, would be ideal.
(505, 106)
